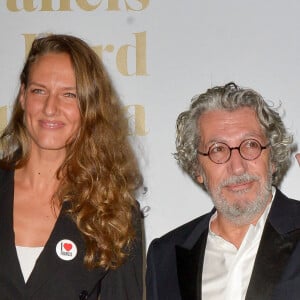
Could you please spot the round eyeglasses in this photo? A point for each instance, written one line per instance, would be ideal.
(220, 153)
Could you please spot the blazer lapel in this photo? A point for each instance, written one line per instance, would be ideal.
(272, 255)
(10, 268)
(189, 269)
(49, 262)
(277, 244)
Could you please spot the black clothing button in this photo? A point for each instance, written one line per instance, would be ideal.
(83, 295)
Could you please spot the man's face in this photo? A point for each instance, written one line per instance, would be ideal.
(240, 188)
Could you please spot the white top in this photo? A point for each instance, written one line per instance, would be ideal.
(227, 270)
(27, 257)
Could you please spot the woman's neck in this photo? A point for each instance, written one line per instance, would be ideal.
(40, 171)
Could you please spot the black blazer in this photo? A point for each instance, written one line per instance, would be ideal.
(54, 278)
(175, 261)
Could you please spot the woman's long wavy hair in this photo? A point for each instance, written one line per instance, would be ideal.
(100, 174)
(231, 97)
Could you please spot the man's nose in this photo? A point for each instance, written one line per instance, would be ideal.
(237, 163)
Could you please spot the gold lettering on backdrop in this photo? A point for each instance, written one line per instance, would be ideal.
(64, 5)
(3, 117)
(122, 55)
(136, 118)
(27, 5)
(140, 56)
(144, 4)
(85, 5)
(47, 5)
(100, 49)
(29, 38)
(113, 5)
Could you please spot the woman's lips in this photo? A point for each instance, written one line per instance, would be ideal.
(51, 124)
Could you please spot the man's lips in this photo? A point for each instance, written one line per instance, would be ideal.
(51, 124)
(239, 186)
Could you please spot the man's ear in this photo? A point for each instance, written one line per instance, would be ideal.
(22, 96)
(200, 179)
(273, 168)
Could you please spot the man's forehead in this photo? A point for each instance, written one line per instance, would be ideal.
(223, 115)
(216, 124)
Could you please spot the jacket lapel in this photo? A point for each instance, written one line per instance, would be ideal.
(277, 244)
(189, 268)
(10, 272)
(49, 263)
(272, 255)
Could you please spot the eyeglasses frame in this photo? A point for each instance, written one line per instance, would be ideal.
(233, 148)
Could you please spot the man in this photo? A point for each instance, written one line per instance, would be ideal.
(236, 147)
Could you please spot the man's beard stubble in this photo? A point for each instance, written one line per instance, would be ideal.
(242, 212)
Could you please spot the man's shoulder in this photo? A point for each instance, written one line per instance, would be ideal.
(284, 213)
(282, 199)
(181, 233)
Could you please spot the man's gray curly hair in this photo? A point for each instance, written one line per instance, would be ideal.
(231, 97)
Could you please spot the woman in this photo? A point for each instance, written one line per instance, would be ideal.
(69, 224)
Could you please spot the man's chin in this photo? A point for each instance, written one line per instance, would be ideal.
(239, 198)
(242, 211)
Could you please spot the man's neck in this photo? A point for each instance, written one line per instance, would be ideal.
(230, 231)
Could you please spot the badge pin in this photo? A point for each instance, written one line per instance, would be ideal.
(66, 250)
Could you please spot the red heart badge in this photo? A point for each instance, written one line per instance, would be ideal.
(67, 246)
(66, 250)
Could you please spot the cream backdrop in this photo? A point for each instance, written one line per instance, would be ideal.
(160, 53)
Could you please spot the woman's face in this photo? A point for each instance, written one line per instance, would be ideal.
(50, 102)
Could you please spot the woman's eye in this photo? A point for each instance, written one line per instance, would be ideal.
(37, 91)
(70, 95)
